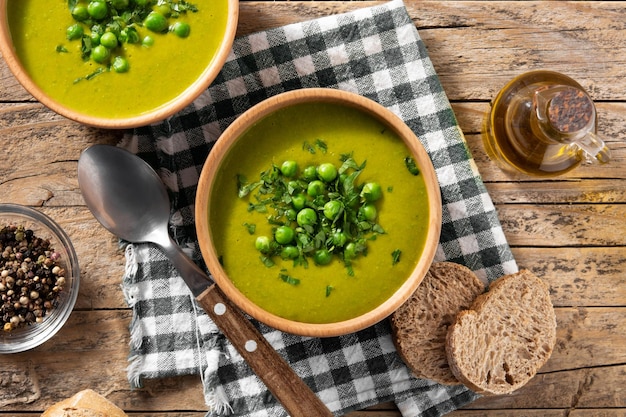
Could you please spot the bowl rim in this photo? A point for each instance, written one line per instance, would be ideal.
(212, 165)
(59, 316)
(153, 116)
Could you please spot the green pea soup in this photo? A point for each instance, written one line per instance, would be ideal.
(157, 74)
(403, 213)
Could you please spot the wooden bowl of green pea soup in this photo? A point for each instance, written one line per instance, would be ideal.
(116, 63)
(318, 212)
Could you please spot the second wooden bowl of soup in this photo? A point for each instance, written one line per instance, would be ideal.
(318, 212)
(116, 63)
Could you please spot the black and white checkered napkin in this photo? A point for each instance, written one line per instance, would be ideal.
(375, 52)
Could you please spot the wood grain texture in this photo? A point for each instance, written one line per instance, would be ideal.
(570, 231)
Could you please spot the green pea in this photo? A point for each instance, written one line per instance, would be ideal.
(291, 214)
(349, 251)
(332, 209)
(181, 29)
(315, 188)
(155, 22)
(109, 40)
(368, 212)
(147, 41)
(284, 235)
(327, 172)
(371, 191)
(100, 54)
(322, 257)
(120, 64)
(289, 168)
(339, 238)
(262, 244)
(74, 32)
(289, 252)
(306, 217)
(96, 34)
(164, 9)
(97, 9)
(309, 173)
(298, 201)
(80, 12)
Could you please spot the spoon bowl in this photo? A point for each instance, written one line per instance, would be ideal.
(133, 213)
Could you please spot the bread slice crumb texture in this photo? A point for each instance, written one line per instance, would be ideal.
(500, 343)
(421, 324)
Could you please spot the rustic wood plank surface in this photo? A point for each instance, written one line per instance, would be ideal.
(570, 231)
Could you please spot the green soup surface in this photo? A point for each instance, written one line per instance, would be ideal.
(328, 293)
(157, 74)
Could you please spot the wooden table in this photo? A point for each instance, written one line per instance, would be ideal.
(570, 231)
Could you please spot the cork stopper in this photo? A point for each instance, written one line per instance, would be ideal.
(570, 111)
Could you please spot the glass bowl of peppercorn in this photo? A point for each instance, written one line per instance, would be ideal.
(39, 278)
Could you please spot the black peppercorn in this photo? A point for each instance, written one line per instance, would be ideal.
(30, 277)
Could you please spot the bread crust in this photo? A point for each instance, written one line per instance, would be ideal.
(420, 325)
(509, 332)
(86, 403)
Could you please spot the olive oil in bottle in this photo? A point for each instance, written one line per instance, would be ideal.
(542, 123)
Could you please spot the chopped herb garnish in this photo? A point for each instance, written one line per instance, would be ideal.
(251, 227)
(378, 229)
(103, 27)
(329, 289)
(411, 165)
(98, 71)
(61, 48)
(321, 145)
(320, 217)
(395, 255)
(289, 279)
(308, 147)
(267, 261)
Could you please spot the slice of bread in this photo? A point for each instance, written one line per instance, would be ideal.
(508, 334)
(420, 325)
(86, 403)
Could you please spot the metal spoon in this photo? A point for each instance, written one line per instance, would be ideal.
(128, 198)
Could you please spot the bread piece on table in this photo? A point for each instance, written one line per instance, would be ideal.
(420, 325)
(508, 334)
(86, 403)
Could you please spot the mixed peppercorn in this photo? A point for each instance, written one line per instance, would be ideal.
(31, 277)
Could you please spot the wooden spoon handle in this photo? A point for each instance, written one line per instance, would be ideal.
(286, 386)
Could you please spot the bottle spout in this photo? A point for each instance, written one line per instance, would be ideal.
(594, 149)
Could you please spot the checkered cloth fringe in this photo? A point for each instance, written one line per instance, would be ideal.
(375, 52)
